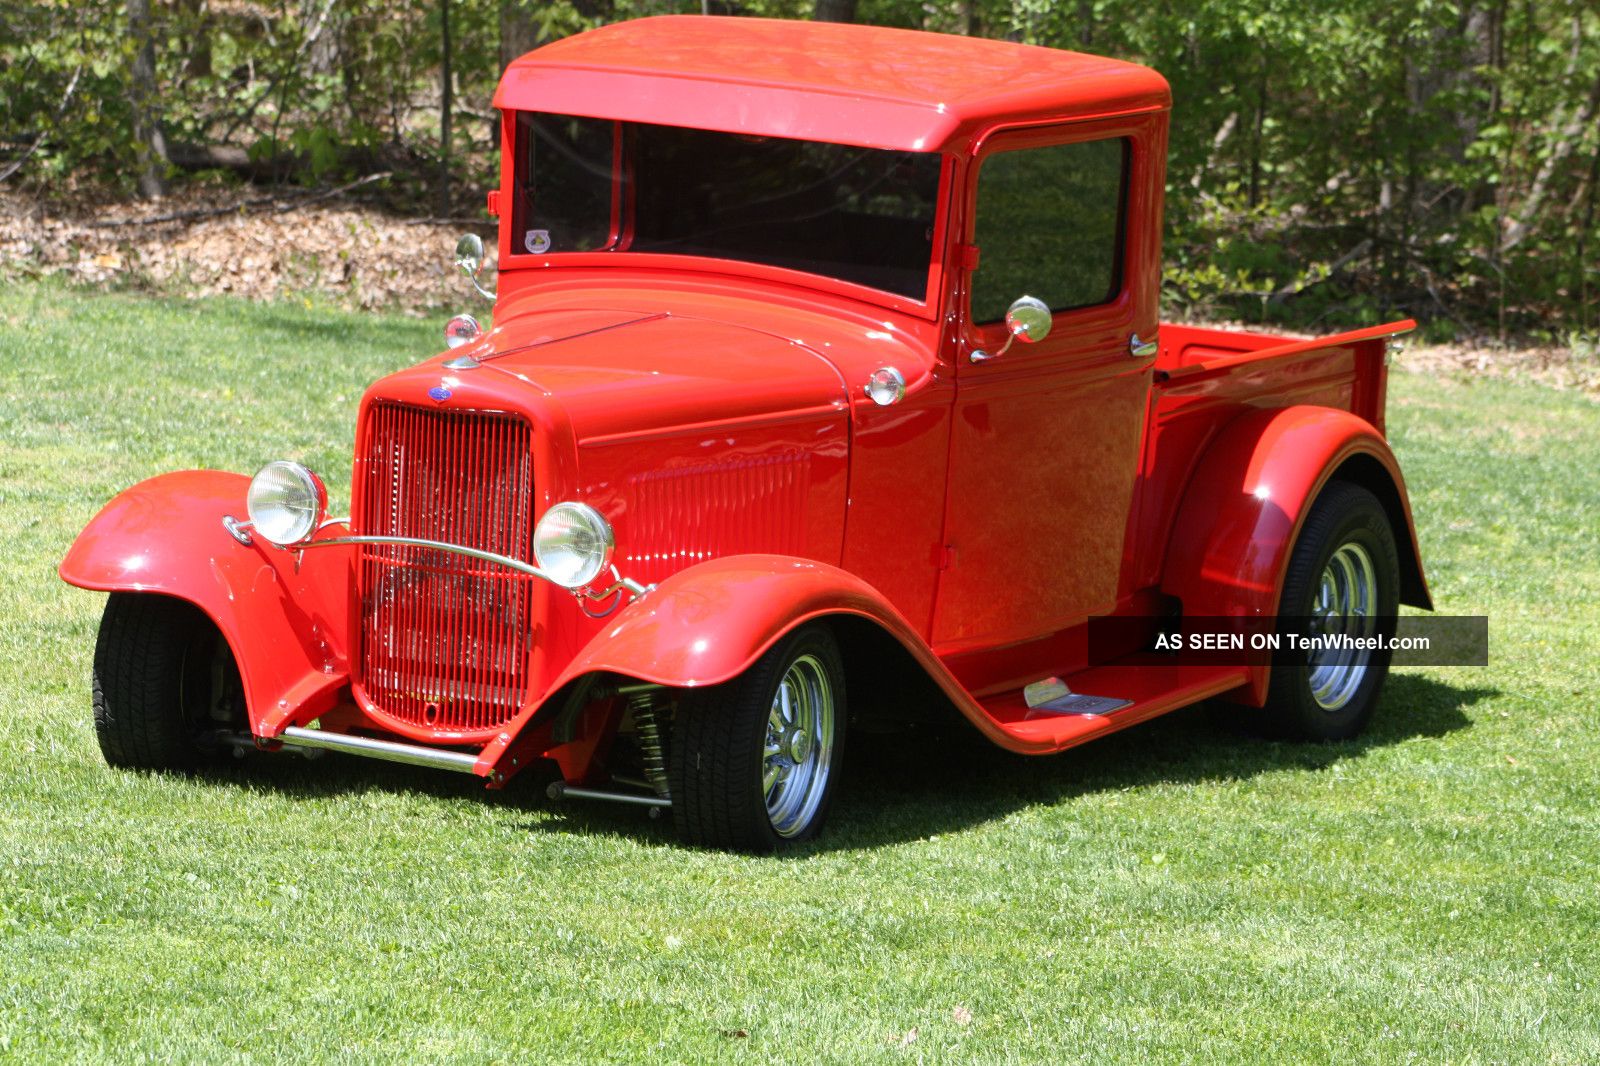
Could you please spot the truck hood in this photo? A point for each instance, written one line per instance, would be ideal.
(625, 372)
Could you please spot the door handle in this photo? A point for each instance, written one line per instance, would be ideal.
(1144, 349)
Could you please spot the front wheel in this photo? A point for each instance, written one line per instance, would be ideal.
(165, 684)
(754, 760)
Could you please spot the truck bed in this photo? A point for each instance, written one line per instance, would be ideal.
(1205, 378)
(1191, 354)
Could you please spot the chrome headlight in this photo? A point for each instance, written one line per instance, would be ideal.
(572, 544)
(286, 501)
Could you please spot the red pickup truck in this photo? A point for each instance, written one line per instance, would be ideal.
(825, 363)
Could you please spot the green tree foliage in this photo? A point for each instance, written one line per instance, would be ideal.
(1329, 161)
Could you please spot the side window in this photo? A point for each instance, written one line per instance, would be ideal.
(562, 184)
(1049, 224)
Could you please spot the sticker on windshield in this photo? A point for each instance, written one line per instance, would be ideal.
(538, 241)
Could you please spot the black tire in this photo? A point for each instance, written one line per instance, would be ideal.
(1348, 520)
(720, 753)
(165, 684)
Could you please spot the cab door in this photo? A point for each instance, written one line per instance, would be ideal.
(1046, 439)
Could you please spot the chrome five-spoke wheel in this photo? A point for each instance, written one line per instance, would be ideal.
(798, 755)
(753, 761)
(1345, 605)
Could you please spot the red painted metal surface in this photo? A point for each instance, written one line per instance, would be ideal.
(864, 85)
(707, 624)
(714, 413)
(1242, 510)
(1248, 498)
(1206, 379)
(689, 454)
(445, 638)
(1062, 421)
(288, 626)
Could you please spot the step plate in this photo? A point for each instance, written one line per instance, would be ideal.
(1079, 704)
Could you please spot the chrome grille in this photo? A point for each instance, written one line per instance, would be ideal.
(445, 638)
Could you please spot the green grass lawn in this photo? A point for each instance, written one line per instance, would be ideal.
(1428, 893)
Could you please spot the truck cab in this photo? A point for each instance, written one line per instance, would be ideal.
(825, 362)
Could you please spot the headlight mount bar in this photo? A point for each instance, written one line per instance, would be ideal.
(619, 584)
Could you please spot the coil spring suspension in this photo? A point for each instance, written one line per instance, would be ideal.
(647, 728)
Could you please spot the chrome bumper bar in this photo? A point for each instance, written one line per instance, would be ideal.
(388, 750)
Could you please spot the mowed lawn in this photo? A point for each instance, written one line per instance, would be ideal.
(1428, 893)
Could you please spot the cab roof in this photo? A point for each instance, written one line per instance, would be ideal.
(823, 81)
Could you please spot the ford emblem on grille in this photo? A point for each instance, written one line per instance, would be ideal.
(439, 393)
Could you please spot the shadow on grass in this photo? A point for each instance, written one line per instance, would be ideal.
(341, 330)
(905, 789)
(942, 779)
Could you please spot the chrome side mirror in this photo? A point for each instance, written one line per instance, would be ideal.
(469, 257)
(462, 329)
(1028, 320)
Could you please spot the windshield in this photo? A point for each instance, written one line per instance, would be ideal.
(862, 215)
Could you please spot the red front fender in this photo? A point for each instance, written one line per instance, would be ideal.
(1242, 512)
(289, 631)
(709, 623)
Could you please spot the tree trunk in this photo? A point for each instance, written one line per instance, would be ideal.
(1585, 227)
(1259, 133)
(968, 21)
(195, 25)
(835, 11)
(1569, 133)
(149, 144)
(596, 11)
(518, 31)
(442, 196)
(321, 44)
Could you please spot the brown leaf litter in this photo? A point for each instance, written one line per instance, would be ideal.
(296, 243)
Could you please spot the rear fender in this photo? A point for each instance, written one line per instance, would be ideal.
(709, 623)
(1244, 508)
(288, 629)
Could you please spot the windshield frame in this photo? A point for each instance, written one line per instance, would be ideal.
(926, 307)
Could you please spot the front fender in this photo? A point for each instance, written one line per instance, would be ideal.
(709, 623)
(1244, 508)
(288, 629)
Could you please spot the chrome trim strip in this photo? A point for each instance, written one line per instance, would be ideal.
(435, 545)
(387, 750)
(628, 585)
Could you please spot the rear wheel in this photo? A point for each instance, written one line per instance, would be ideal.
(165, 684)
(1343, 580)
(754, 760)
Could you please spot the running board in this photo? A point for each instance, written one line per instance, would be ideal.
(1104, 699)
(1053, 696)
(387, 750)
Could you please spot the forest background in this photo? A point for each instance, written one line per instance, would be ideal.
(1331, 162)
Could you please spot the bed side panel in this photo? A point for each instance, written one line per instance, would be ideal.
(1206, 378)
